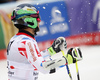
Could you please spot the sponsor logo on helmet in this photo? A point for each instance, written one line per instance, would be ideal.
(29, 9)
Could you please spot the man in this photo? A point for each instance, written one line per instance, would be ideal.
(23, 55)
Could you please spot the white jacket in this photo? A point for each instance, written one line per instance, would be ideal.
(24, 57)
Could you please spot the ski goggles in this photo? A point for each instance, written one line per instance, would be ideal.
(37, 16)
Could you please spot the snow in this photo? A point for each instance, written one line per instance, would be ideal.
(44, 7)
(3, 70)
(89, 67)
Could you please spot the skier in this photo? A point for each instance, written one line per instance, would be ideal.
(24, 59)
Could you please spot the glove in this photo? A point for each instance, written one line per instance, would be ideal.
(58, 45)
(73, 55)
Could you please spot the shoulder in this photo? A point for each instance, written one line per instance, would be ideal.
(28, 39)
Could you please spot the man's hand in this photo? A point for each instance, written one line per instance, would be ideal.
(58, 45)
(73, 55)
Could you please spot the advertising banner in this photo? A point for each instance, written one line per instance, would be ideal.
(76, 40)
(84, 16)
(3, 54)
(2, 43)
(54, 21)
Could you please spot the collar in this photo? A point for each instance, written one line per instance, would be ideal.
(26, 33)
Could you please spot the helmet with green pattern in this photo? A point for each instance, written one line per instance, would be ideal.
(25, 15)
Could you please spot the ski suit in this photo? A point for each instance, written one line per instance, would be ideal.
(24, 57)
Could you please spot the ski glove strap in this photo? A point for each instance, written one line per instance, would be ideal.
(51, 51)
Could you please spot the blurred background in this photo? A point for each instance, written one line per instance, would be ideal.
(76, 20)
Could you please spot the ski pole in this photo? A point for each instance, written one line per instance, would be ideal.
(78, 77)
(67, 67)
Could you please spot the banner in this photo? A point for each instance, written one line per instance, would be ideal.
(7, 30)
(84, 16)
(3, 55)
(76, 40)
(2, 43)
(54, 21)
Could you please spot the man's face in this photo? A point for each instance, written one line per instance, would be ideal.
(36, 29)
(38, 26)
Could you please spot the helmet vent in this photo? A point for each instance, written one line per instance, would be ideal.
(30, 23)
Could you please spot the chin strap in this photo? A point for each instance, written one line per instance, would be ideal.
(36, 30)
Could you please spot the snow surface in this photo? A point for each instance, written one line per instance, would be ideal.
(89, 67)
